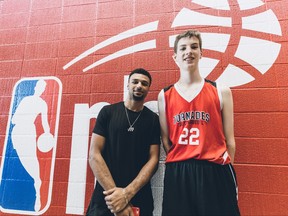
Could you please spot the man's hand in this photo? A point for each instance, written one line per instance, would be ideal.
(127, 211)
(116, 199)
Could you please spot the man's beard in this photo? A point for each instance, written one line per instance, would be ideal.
(141, 98)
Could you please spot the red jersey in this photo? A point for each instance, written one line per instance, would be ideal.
(195, 127)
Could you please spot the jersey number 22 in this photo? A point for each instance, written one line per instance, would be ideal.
(189, 137)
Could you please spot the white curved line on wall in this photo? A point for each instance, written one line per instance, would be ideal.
(207, 65)
(188, 17)
(215, 41)
(132, 49)
(234, 76)
(261, 54)
(216, 4)
(211, 41)
(266, 22)
(148, 27)
(246, 5)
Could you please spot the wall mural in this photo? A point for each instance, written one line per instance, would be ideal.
(242, 42)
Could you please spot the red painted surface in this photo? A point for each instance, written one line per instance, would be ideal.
(37, 38)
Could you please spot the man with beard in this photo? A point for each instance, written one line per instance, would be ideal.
(124, 152)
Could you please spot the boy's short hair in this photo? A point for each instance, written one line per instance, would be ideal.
(189, 34)
(141, 71)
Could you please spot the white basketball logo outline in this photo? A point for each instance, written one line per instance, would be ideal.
(249, 48)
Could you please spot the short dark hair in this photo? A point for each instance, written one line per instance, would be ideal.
(141, 71)
(189, 34)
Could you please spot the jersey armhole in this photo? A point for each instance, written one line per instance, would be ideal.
(162, 93)
(219, 88)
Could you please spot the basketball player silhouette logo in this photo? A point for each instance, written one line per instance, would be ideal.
(30, 147)
(24, 134)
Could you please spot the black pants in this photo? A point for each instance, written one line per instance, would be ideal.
(106, 212)
(195, 187)
(143, 200)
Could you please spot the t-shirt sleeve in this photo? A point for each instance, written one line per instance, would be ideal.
(101, 125)
(156, 131)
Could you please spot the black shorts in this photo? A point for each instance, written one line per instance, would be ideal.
(196, 187)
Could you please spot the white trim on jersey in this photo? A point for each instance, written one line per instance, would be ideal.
(225, 156)
(193, 94)
(219, 90)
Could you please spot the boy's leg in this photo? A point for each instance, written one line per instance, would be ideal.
(217, 190)
(177, 190)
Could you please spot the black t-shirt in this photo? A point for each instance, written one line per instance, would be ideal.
(126, 152)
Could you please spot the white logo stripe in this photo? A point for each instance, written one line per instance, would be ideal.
(247, 52)
(151, 44)
(213, 41)
(207, 65)
(152, 26)
(234, 76)
(263, 22)
(216, 4)
(246, 5)
(188, 17)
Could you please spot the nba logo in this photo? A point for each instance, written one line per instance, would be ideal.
(29, 151)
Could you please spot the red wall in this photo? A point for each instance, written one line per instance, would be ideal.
(38, 38)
